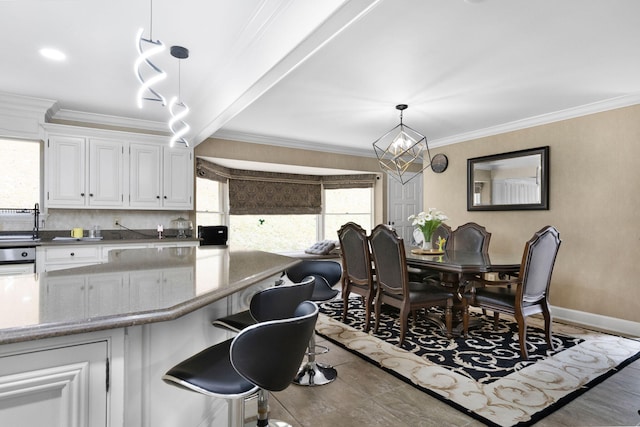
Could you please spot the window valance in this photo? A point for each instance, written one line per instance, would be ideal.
(349, 181)
(261, 193)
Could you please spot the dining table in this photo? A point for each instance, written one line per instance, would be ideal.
(457, 270)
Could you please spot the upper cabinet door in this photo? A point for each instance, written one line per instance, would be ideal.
(66, 165)
(105, 173)
(177, 182)
(145, 165)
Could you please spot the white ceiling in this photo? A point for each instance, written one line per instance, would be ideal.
(327, 74)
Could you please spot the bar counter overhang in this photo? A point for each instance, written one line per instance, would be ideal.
(136, 286)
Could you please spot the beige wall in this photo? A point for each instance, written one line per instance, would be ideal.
(594, 203)
(224, 149)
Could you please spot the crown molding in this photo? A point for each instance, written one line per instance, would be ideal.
(26, 104)
(291, 143)
(570, 113)
(543, 119)
(107, 120)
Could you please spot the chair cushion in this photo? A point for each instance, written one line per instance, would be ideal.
(323, 247)
(211, 372)
(420, 291)
(496, 295)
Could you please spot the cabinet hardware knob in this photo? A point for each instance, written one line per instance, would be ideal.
(157, 197)
(82, 194)
(90, 194)
(73, 254)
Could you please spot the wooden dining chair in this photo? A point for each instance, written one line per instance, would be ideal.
(469, 237)
(528, 293)
(394, 287)
(357, 272)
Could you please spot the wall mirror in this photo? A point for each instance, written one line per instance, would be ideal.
(518, 180)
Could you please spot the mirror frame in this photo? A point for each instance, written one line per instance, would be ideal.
(544, 180)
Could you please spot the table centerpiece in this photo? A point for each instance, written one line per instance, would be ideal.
(427, 223)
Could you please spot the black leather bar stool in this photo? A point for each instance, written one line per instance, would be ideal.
(273, 303)
(263, 357)
(327, 274)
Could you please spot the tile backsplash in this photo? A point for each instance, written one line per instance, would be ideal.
(66, 219)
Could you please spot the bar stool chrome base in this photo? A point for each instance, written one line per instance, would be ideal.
(314, 373)
(262, 409)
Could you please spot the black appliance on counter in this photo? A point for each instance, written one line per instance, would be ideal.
(213, 235)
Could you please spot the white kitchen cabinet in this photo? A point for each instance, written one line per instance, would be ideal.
(84, 172)
(106, 173)
(160, 177)
(51, 258)
(145, 180)
(58, 387)
(65, 171)
(177, 178)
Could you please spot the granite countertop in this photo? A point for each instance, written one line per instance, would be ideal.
(136, 286)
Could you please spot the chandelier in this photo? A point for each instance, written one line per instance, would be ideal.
(402, 151)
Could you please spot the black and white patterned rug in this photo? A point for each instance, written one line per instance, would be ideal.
(483, 374)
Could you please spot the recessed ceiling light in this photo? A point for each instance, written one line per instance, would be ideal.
(53, 54)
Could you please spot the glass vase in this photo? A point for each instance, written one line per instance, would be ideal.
(426, 243)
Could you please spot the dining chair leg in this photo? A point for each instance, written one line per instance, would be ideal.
(345, 305)
(522, 335)
(496, 320)
(404, 321)
(546, 314)
(465, 318)
(448, 317)
(377, 321)
(368, 307)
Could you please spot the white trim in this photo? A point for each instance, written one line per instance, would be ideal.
(598, 321)
(570, 113)
(291, 143)
(54, 128)
(104, 119)
(543, 119)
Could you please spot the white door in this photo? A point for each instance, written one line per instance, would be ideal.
(404, 200)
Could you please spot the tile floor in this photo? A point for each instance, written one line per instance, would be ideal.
(364, 395)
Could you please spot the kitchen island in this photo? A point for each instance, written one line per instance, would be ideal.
(87, 346)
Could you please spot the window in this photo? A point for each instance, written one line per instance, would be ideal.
(209, 202)
(21, 166)
(344, 205)
(282, 232)
(273, 233)
(289, 233)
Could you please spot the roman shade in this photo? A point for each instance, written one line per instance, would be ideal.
(263, 193)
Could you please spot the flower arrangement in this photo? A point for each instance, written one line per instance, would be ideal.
(428, 222)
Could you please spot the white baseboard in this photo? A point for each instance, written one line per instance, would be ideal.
(597, 321)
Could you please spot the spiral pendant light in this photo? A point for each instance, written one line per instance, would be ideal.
(148, 48)
(177, 107)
